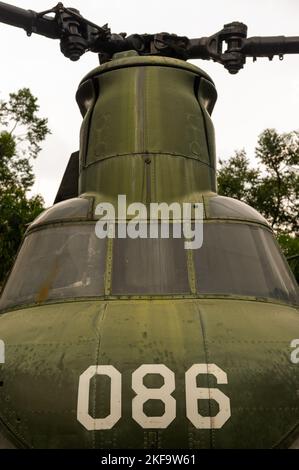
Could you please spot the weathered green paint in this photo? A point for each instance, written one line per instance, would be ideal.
(56, 343)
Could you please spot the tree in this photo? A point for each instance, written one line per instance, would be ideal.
(277, 193)
(235, 177)
(290, 247)
(272, 189)
(21, 133)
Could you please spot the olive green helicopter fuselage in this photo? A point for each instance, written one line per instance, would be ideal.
(141, 343)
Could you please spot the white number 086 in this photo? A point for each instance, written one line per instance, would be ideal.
(143, 394)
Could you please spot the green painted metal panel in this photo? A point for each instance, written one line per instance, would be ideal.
(56, 343)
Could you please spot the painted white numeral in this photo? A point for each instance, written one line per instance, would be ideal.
(194, 393)
(2, 352)
(83, 415)
(163, 394)
(143, 394)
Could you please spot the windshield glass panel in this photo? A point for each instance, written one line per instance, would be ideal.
(57, 262)
(241, 259)
(149, 266)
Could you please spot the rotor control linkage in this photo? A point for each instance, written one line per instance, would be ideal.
(77, 35)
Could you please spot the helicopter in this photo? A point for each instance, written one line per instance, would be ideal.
(112, 342)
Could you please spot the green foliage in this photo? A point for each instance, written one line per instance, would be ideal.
(272, 188)
(277, 193)
(290, 248)
(236, 178)
(16, 212)
(21, 132)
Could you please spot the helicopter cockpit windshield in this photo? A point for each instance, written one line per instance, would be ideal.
(235, 260)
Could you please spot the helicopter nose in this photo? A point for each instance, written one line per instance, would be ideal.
(188, 373)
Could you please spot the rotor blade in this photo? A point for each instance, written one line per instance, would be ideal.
(29, 20)
(272, 45)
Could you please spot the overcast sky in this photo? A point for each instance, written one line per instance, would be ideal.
(263, 94)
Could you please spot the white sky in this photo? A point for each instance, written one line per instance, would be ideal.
(264, 94)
